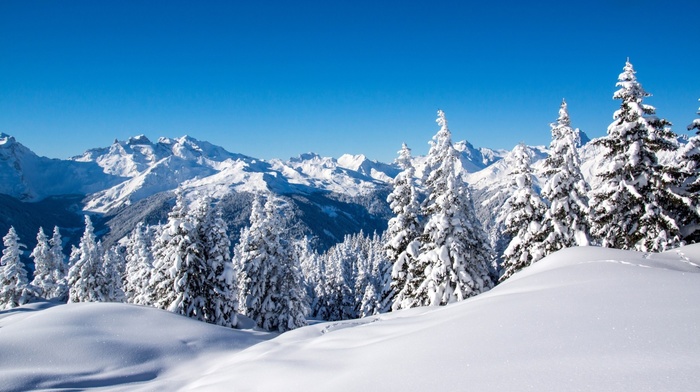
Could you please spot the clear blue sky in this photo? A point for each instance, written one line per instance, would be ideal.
(273, 79)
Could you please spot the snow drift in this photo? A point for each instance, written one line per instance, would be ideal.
(585, 319)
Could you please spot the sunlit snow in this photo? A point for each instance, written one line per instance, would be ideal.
(582, 319)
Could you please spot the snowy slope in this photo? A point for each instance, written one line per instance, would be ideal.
(583, 319)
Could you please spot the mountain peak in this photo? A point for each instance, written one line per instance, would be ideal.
(6, 139)
(307, 156)
(138, 140)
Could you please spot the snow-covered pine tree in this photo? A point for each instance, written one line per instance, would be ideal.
(402, 235)
(113, 267)
(139, 264)
(312, 270)
(220, 296)
(454, 253)
(377, 278)
(565, 223)
(635, 205)
(178, 277)
(688, 166)
(293, 305)
(523, 213)
(60, 269)
(14, 284)
(270, 286)
(381, 270)
(86, 278)
(43, 283)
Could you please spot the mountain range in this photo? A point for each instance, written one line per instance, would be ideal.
(133, 180)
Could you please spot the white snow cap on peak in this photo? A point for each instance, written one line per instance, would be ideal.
(139, 139)
(6, 139)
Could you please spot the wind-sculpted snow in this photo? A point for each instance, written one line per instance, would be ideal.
(582, 319)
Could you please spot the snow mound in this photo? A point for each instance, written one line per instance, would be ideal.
(582, 319)
(89, 345)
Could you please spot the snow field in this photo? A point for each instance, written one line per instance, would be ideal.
(582, 319)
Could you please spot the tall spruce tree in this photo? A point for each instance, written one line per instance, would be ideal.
(14, 284)
(86, 278)
(688, 166)
(270, 282)
(402, 235)
(566, 220)
(454, 250)
(139, 264)
(636, 204)
(178, 278)
(523, 213)
(60, 269)
(43, 283)
(220, 296)
(113, 267)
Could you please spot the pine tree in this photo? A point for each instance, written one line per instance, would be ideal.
(49, 268)
(523, 213)
(454, 253)
(634, 206)
(341, 279)
(60, 269)
(139, 264)
(270, 286)
(113, 269)
(403, 233)
(178, 278)
(14, 284)
(221, 298)
(86, 279)
(43, 282)
(377, 278)
(566, 221)
(688, 166)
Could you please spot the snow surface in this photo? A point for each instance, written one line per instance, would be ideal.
(582, 319)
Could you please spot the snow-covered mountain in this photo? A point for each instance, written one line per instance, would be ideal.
(142, 173)
(29, 177)
(150, 168)
(584, 319)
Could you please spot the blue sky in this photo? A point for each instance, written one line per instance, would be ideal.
(273, 79)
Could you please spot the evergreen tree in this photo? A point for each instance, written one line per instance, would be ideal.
(86, 278)
(43, 283)
(566, 221)
(139, 264)
(403, 232)
(178, 277)
(14, 284)
(636, 204)
(454, 248)
(221, 298)
(377, 278)
(270, 286)
(113, 269)
(60, 270)
(688, 167)
(523, 213)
